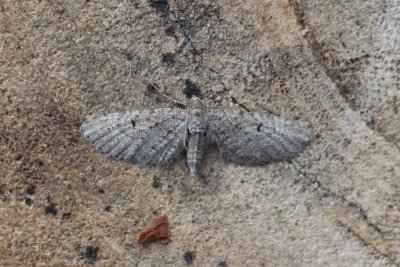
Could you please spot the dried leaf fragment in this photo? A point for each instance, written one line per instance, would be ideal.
(157, 230)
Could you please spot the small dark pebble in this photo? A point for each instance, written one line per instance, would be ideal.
(107, 208)
(222, 264)
(101, 191)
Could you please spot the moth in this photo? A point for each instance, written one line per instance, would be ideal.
(158, 137)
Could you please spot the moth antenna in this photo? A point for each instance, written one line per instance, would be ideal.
(166, 96)
(204, 104)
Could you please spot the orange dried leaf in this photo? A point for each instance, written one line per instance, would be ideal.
(157, 230)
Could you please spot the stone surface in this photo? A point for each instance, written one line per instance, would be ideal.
(332, 65)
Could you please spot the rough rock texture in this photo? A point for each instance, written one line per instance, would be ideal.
(333, 65)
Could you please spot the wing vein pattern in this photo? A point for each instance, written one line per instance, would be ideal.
(147, 137)
(158, 137)
(255, 138)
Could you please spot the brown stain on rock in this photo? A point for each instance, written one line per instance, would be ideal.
(157, 230)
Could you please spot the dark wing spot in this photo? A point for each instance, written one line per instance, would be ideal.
(179, 105)
(259, 127)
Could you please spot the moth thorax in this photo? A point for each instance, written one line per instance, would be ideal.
(197, 123)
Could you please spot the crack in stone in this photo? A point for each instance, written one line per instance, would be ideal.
(365, 243)
(181, 25)
(170, 15)
(356, 210)
(343, 88)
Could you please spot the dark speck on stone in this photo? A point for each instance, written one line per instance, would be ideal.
(50, 209)
(191, 89)
(189, 256)
(222, 264)
(107, 208)
(151, 89)
(129, 56)
(160, 5)
(31, 190)
(91, 253)
(28, 201)
(60, 11)
(371, 123)
(101, 191)
(156, 182)
(170, 30)
(66, 216)
(168, 58)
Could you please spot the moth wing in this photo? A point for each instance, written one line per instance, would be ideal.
(255, 138)
(147, 137)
